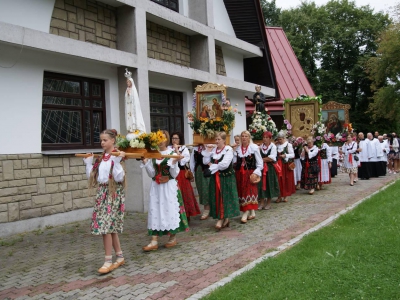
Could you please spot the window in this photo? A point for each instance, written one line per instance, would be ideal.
(166, 110)
(171, 4)
(73, 112)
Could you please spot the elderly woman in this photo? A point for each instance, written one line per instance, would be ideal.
(248, 161)
(268, 187)
(309, 173)
(224, 202)
(350, 165)
(285, 157)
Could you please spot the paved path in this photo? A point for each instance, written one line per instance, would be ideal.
(62, 262)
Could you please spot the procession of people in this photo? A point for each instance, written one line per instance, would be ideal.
(232, 181)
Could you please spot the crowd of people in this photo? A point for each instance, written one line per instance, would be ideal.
(230, 179)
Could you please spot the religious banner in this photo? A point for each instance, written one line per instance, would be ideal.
(335, 115)
(211, 112)
(302, 113)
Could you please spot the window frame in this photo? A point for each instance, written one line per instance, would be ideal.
(171, 117)
(81, 109)
(167, 5)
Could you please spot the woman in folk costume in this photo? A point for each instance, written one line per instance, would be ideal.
(325, 162)
(202, 183)
(224, 202)
(108, 175)
(335, 158)
(309, 174)
(297, 144)
(248, 161)
(268, 187)
(133, 113)
(350, 165)
(191, 206)
(166, 210)
(285, 156)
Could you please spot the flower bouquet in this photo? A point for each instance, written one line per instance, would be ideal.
(318, 132)
(341, 137)
(140, 140)
(261, 122)
(287, 128)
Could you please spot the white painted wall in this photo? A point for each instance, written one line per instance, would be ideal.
(233, 64)
(184, 7)
(221, 18)
(35, 14)
(237, 97)
(21, 93)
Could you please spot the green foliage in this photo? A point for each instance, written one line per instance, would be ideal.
(356, 257)
(271, 13)
(384, 71)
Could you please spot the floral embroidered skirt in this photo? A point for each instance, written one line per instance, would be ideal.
(108, 212)
(230, 199)
(247, 191)
(272, 184)
(189, 200)
(202, 184)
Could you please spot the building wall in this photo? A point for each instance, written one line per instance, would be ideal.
(221, 18)
(85, 20)
(233, 64)
(219, 58)
(167, 44)
(34, 185)
(27, 13)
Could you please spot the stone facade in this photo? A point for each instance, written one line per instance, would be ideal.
(219, 58)
(35, 185)
(85, 20)
(167, 44)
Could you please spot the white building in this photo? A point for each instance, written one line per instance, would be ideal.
(61, 81)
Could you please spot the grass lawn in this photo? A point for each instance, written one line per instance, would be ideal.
(356, 257)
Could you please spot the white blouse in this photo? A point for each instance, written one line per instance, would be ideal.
(227, 152)
(273, 153)
(251, 149)
(289, 155)
(150, 168)
(312, 153)
(192, 160)
(104, 169)
(328, 151)
(184, 152)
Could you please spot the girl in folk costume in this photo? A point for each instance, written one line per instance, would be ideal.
(202, 183)
(349, 149)
(108, 175)
(268, 186)
(224, 202)
(248, 161)
(285, 157)
(189, 200)
(309, 173)
(297, 144)
(325, 161)
(166, 211)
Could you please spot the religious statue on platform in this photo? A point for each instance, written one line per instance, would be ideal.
(133, 113)
(259, 99)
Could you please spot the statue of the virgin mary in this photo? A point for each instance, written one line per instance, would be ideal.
(133, 113)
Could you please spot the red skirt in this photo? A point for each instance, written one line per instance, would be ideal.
(189, 200)
(247, 192)
(286, 181)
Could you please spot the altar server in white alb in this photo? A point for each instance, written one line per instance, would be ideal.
(377, 153)
(384, 158)
(364, 154)
(324, 176)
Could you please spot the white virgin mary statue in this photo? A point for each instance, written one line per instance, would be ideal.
(133, 113)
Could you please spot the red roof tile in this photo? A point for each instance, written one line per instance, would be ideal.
(290, 77)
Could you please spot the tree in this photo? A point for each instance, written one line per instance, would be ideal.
(271, 13)
(384, 71)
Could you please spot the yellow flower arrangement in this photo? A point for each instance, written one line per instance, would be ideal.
(144, 140)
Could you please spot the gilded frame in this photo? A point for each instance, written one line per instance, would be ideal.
(302, 115)
(209, 100)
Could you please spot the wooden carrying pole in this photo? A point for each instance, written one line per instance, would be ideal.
(132, 155)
